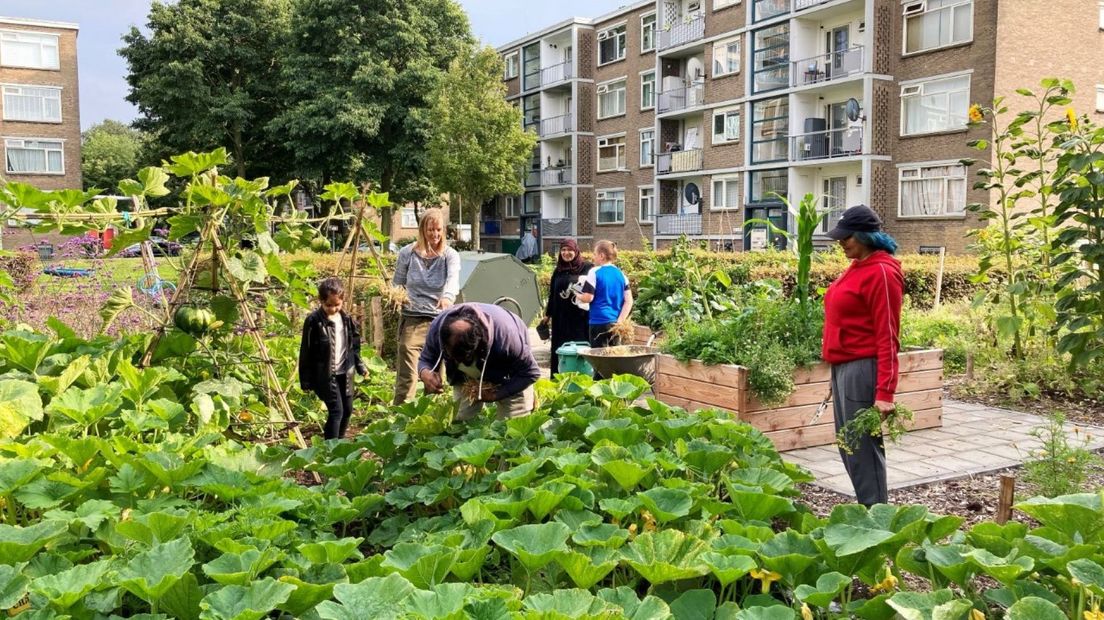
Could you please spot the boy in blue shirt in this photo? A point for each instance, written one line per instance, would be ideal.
(608, 293)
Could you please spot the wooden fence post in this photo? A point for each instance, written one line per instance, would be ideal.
(1007, 496)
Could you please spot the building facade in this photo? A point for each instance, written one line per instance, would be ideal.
(694, 116)
(40, 107)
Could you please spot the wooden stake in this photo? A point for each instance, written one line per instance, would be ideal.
(377, 324)
(969, 365)
(939, 277)
(1007, 496)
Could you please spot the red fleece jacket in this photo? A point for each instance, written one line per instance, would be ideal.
(862, 318)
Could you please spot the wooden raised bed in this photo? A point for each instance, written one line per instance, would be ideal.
(694, 385)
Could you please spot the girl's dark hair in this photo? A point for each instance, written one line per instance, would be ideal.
(330, 286)
(466, 345)
(877, 240)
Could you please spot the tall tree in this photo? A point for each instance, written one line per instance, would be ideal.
(478, 145)
(360, 74)
(109, 154)
(208, 76)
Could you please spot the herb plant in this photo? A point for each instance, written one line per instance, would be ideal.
(869, 422)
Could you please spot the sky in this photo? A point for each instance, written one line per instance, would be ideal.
(103, 23)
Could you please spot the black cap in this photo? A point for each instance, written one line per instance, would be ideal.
(859, 218)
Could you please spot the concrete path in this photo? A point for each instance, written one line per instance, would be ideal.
(974, 439)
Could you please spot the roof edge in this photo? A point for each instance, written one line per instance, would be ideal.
(42, 23)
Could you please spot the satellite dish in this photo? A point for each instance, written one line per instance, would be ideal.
(854, 110)
(692, 193)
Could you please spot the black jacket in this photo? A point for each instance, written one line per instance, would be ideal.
(315, 364)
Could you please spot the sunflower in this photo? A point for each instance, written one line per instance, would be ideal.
(1071, 118)
(976, 115)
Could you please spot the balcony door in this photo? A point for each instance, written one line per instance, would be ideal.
(838, 42)
(835, 201)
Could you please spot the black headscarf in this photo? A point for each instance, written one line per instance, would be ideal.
(576, 264)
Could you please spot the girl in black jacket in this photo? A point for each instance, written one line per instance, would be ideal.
(329, 353)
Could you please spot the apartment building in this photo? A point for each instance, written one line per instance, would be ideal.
(692, 117)
(39, 110)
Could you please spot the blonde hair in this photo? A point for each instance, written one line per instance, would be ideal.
(606, 248)
(432, 215)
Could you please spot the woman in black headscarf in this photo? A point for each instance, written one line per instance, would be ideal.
(570, 323)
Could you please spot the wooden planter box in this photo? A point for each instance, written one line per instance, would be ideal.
(694, 385)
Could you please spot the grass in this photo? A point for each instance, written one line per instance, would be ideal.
(116, 272)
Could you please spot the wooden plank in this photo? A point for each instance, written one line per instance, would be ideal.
(797, 417)
(723, 374)
(908, 361)
(725, 396)
(824, 433)
(813, 393)
(641, 334)
(690, 405)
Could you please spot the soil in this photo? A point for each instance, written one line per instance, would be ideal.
(1078, 410)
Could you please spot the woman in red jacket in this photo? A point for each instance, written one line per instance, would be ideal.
(862, 320)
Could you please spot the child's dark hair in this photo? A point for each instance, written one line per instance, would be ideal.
(468, 344)
(330, 286)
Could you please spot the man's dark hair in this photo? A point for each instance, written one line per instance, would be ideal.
(330, 286)
(464, 345)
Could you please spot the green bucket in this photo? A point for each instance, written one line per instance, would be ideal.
(571, 361)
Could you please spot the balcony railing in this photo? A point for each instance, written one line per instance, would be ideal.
(684, 30)
(535, 125)
(686, 224)
(766, 9)
(800, 5)
(829, 144)
(679, 161)
(827, 67)
(557, 125)
(556, 227)
(680, 98)
(556, 73)
(561, 175)
(532, 178)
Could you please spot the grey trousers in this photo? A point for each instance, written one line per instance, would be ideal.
(515, 406)
(853, 389)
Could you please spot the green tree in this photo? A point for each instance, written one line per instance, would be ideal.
(109, 154)
(208, 76)
(360, 74)
(478, 144)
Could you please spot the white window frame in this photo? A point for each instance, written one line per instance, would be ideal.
(918, 168)
(726, 113)
(510, 210)
(651, 160)
(721, 4)
(604, 194)
(516, 64)
(640, 204)
(724, 45)
(644, 25)
(912, 9)
(914, 89)
(16, 35)
(721, 205)
(619, 153)
(645, 105)
(4, 88)
(1100, 97)
(622, 45)
(10, 142)
(408, 218)
(605, 89)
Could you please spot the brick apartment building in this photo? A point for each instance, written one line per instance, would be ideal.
(671, 117)
(39, 110)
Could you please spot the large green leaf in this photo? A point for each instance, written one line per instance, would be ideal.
(574, 603)
(547, 496)
(627, 466)
(88, 406)
(13, 585)
(1089, 573)
(1004, 569)
(600, 535)
(305, 596)
(534, 545)
(249, 267)
(379, 598)
(154, 527)
(19, 544)
(424, 566)
(621, 431)
(704, 457)
(589, 566)
(121, 299)
(72, 372)
(694, 605)
(18, 472)
(1034, 608)
(789, 554)
(331, 551)
(1074, 515)
(240, 568)
(727, 568)
(68, 587)
(251, 602)
(443, 601)
(774, 612)
(666, 504)
(182, 600)
(476, 452)
(753, 504)
(828, 587)
(668, 555)
(650, 608)
(24, 350)
(938, 605)
(151, 573)
(19, 405)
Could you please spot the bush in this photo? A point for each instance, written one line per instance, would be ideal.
(1060, 466)
(23, 268)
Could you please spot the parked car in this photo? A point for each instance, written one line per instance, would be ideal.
(161, 247)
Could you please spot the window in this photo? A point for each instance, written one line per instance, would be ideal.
(647, 33)
(726, 193)
(611, 99)
(34, 156)
(1100, 97)
(647, 204)
(28, 49)
(765, 9)
(726, 57)
(726, 125)
(611, 153)
(511, 66)
(932, 24)
(767, 185)
(771, 58)
(611, 207)
(720, 4)
(532, 203)
(647, 90)
(511, 206)
(835, 201)
(611, 45)
(647, 147)
(409, 218)
(530, 61)
(932, 190)
(936, 105)
(34, 104)
(531, 113)
(769, 129)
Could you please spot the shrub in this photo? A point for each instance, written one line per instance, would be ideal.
(1060, 466)
(23, 268)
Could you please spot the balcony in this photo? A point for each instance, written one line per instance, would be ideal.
(564, 123)
(556, 73)
(830, 144)
(533, 125)
(556, 227)
(560, 175)
(532, 178)
(680, 98)
(679, 161)
(801, 5)
(766, 9)
(827, 67)
(686, 224)
(687, 29)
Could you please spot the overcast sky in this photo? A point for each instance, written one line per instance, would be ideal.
(102, 23)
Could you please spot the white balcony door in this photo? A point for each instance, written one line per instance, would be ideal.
(839, 40)
(835, 201)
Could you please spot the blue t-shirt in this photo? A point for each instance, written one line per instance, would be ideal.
(608, 285)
